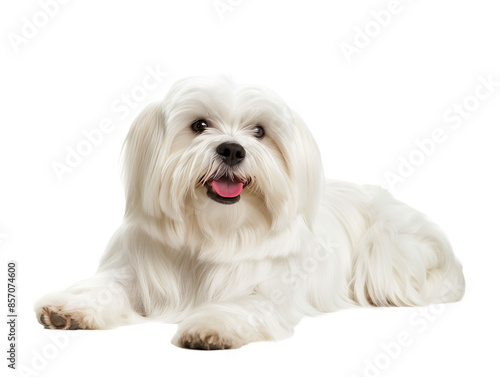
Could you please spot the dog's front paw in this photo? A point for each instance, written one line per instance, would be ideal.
(52, 317)
(64, 311)
(208, 334)
(206, 340)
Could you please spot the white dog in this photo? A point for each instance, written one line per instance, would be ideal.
(231, 232)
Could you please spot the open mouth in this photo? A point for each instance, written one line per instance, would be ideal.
(225, 190)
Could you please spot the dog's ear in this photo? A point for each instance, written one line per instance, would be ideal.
(141, 155)
(307, 171)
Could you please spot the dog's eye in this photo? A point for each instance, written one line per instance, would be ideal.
(259, 132)
(199, 126)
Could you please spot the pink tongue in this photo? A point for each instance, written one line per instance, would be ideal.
(226, 188)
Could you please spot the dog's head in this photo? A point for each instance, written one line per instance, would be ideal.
(219, 160)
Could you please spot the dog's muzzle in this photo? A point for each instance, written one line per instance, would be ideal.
(227, 189)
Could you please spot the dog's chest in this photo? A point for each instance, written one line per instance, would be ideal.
(220, 282)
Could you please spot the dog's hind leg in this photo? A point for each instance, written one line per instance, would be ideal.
(402, 259)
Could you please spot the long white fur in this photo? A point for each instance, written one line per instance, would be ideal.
(292, 246)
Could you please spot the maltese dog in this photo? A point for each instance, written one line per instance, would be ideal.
(231, 231)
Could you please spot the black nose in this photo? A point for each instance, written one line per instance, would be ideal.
(231, 153)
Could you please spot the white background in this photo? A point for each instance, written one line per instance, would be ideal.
(364, 113)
